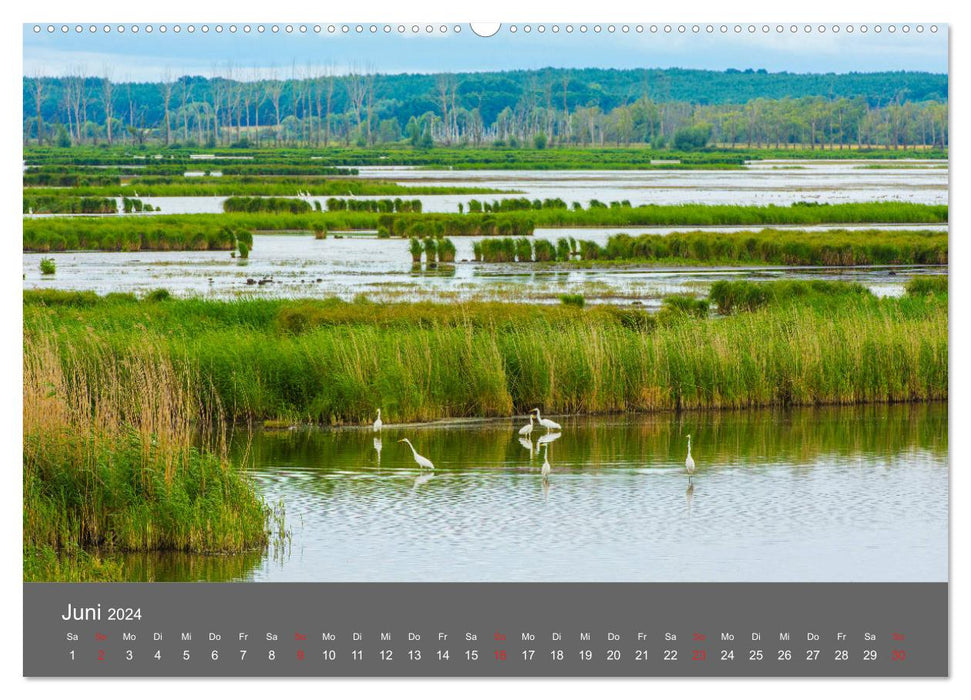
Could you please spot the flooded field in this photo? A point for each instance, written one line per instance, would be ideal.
(761, 183)
(300, 265)
(803, 495)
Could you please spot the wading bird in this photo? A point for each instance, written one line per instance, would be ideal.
(546, 422)
(546, 462)
(527, 430)
(377, 423)
(422, 462)
(689, 463)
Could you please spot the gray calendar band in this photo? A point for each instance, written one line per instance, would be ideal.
(604, 629)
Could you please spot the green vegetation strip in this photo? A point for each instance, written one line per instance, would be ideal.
(192, 232)
(231, 186)
(769, 246)
(187, 231)
(280, 160)
(334, 362)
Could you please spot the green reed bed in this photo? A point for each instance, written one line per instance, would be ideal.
(736, 215)
(108, 465)
(496, 157)
(334, 362)
(927, 284)
(207, 231)
(155, 186)
(182, 231)
(67, 204)
(166, 232)
(274, 205)
(769, 246)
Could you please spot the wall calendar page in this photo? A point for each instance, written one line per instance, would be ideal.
(450, 350)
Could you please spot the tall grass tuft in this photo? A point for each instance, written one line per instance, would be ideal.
(446, 251)
(107, 459)
(415, 248)
(430, 246)
(927, 284)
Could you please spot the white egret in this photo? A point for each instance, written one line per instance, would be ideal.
(422, 462)
(527, 430)
(546, 422)
(377, 423)
(546, 462)
(689, 463)
(377, 448)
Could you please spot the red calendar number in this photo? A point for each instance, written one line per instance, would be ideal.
(500, 654)
(699, 655)
(899, 655)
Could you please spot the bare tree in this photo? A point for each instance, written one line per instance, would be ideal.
(369, 89)
(329, 83)
(356, 91)
(443, 84)
(184, 94)
(166, 89)
(38, 88)
(275, 89)
(106, 98)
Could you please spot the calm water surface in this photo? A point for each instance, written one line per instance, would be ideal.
(760, 183)
(805, 495)
(382, 270)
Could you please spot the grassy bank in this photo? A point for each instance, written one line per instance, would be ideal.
(108, 466)
(334, 362)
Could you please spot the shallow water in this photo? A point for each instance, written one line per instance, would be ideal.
(382, 270)
(849, 494)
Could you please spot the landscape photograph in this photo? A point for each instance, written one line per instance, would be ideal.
(408, 304)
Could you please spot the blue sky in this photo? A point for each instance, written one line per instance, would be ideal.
(148, 56)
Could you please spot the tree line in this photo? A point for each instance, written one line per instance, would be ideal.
(564, 107)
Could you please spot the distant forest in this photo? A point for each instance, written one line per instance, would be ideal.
(676, 108)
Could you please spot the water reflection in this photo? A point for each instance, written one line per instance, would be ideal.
(828, 494)
(181, 566)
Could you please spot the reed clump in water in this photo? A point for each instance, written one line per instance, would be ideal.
(332, 361)
(107, 461)
(769, 246)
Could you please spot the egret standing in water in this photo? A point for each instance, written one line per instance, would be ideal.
(689, 463)
(422, 462)
(546, 462)
(546, 422)
(527, 430)
(377, 423)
